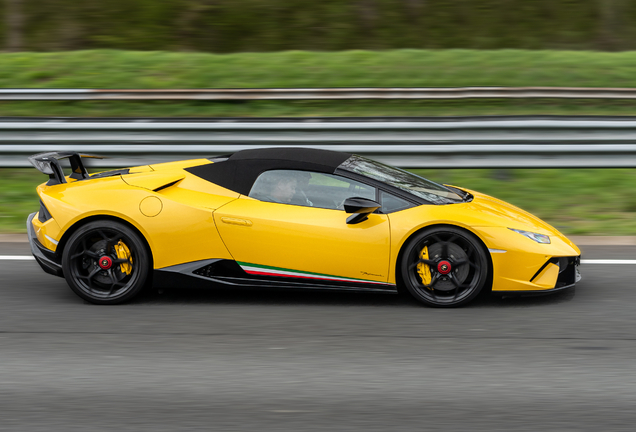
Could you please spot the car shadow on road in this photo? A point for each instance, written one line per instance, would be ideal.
(528, 300)
(273, 296)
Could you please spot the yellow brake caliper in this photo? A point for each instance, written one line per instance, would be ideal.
(423, 269)
(124, 253)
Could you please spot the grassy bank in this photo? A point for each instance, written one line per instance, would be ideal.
(577, 201)
(395, 68)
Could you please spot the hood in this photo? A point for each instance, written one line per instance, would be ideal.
(498, 212)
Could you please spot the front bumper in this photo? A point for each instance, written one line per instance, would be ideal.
(522, 265)
(567, 277)
(49, 261)
(550, 275)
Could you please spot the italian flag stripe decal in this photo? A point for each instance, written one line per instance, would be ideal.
(257, 269)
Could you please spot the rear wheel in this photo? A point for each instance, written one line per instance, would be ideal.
(106, 262)
(444, 267)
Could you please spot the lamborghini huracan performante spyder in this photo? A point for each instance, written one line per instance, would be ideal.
(291, 218)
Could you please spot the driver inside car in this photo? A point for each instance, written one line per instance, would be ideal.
(287, 188)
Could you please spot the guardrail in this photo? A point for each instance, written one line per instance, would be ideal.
(410, 143)
(318, 93)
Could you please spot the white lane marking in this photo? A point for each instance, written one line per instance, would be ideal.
(607, 261)
(16, 257)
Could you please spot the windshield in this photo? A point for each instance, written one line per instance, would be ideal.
(409, 182)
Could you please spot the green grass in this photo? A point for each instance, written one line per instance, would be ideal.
(18, 197)
(576, 201)
(392, 68)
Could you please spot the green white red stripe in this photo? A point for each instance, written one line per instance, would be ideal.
(257, 269)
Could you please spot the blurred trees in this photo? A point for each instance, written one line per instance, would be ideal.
(273, 25)
(13, 24)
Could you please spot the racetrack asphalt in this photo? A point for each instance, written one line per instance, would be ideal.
(274, 360)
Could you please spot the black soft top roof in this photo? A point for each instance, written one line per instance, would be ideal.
(241, 169)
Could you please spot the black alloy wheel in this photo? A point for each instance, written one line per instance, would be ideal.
(105, 262)
(444, 266)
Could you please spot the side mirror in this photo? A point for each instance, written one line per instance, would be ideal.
(360, 207)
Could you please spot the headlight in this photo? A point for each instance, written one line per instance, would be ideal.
(539, 238)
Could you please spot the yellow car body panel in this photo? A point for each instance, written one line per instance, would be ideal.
(152, 181)
(47, 232)
(178, 233)
(308, 239)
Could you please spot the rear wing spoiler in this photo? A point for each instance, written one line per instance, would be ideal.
(49, 163)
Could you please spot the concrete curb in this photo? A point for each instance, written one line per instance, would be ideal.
(14, 238)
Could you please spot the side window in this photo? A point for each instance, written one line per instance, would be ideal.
(310, 189)
(391, 203)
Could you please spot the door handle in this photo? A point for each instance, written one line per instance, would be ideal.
(236, 221)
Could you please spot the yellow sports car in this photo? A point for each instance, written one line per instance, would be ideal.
(288, 217)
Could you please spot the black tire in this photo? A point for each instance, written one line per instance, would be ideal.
(457, 267)
(99, 269)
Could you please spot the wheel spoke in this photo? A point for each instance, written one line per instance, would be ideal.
(456, 287)
(454, 281)
(109, 245)
(93, 273)
(111, 276)
(444, 251)
(86, 252)
(429, 287)
(91, 254)
(110, 241)
(107, 239)
(113, 281)
(90, 276)
(84, 249)
(434, 280)
(462, 262)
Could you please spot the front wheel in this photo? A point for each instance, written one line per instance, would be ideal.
(105, 262)
(444, 267)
